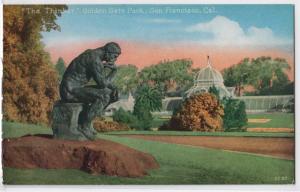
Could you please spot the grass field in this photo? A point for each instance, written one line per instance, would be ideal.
(178, 165)
(190, 133)
(278, 120)
(18, 129)
(14, 129)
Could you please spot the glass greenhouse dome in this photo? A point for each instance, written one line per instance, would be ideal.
(206, 78)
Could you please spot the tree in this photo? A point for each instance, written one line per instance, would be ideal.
(266, 75)
(30, 82)
(237, 75)
(147, 99)
(229, 77)
(235, 116)
(215, 91)
(202, 112)
(126, 78)
(169, 75)
(60, 67)
(270, 75)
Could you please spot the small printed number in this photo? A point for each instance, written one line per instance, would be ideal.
(281, 178)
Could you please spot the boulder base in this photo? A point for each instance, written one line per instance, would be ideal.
(96, 157)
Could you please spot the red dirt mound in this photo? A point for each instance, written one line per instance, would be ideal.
(95, 157)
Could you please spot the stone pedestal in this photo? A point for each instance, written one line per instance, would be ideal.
(65, 118)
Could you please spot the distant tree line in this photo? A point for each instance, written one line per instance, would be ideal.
(266, 75)
(167, 76)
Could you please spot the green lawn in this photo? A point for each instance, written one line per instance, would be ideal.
(13, 129)
(191, 133)
(157, 122)
(278, 120)
(178, 165)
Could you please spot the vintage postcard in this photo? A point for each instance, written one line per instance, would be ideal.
(148, 94)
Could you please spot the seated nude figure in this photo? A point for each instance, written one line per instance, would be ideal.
(90, 65)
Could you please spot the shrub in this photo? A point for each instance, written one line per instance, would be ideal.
(125, 117)
(104, 126)
(144, 120)
(215, 91)
(201, 112)
(235, 117)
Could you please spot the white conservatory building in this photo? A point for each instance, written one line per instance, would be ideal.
(126, 104)
(208, 77)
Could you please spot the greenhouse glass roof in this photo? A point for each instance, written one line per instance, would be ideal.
(206, 78)
(209, 74)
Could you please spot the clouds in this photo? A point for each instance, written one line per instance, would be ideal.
(223, 29)
(226, 32)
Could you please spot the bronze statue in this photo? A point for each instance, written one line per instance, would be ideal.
(74, 87)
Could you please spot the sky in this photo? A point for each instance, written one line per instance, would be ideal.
(148, 34)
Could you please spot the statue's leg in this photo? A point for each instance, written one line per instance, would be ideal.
(97, 108)
(96, 100)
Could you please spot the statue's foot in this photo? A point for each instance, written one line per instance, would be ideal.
(93, 130)
(89, 135)
(87, 132)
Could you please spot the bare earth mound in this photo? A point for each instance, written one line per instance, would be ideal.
(95, 157)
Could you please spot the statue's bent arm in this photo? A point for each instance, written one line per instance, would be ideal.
(111, 75)
(97, 71)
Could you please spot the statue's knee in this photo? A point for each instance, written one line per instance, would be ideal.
(107, 91)
(106, 98)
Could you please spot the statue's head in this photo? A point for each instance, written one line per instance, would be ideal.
(112, 51)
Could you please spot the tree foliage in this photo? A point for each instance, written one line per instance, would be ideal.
(60, 67)
(266, 75)
(201, 112)
(237, 75)
(235, 116)
(169, 75)
(125, 117)
(215, 91)
(147, 99)
(29, 79)
(271, 77)
(126, 78)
